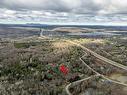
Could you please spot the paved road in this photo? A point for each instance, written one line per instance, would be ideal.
(97, 73)
(99, 56)
(102, 74)
(76, 82)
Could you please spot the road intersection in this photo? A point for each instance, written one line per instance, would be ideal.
(96, 73)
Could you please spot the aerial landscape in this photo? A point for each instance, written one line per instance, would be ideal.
(63, 47)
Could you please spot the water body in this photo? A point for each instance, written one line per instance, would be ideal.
(84, 34)
(95, 34)
(26, 32)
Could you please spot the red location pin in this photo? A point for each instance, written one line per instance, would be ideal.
(64, 69)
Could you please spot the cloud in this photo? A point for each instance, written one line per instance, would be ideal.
(56, 17)
(74, 6)
(64, 10)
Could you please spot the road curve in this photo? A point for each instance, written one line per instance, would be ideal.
(99, 56)
(97, 74)
(76, 82)
(103, 75)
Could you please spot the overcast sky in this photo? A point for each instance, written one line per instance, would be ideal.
(64, 11)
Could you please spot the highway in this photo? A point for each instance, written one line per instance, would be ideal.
(97, 73)
(99, 56)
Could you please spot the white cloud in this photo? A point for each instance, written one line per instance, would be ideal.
(77, 6)
(64, 10)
